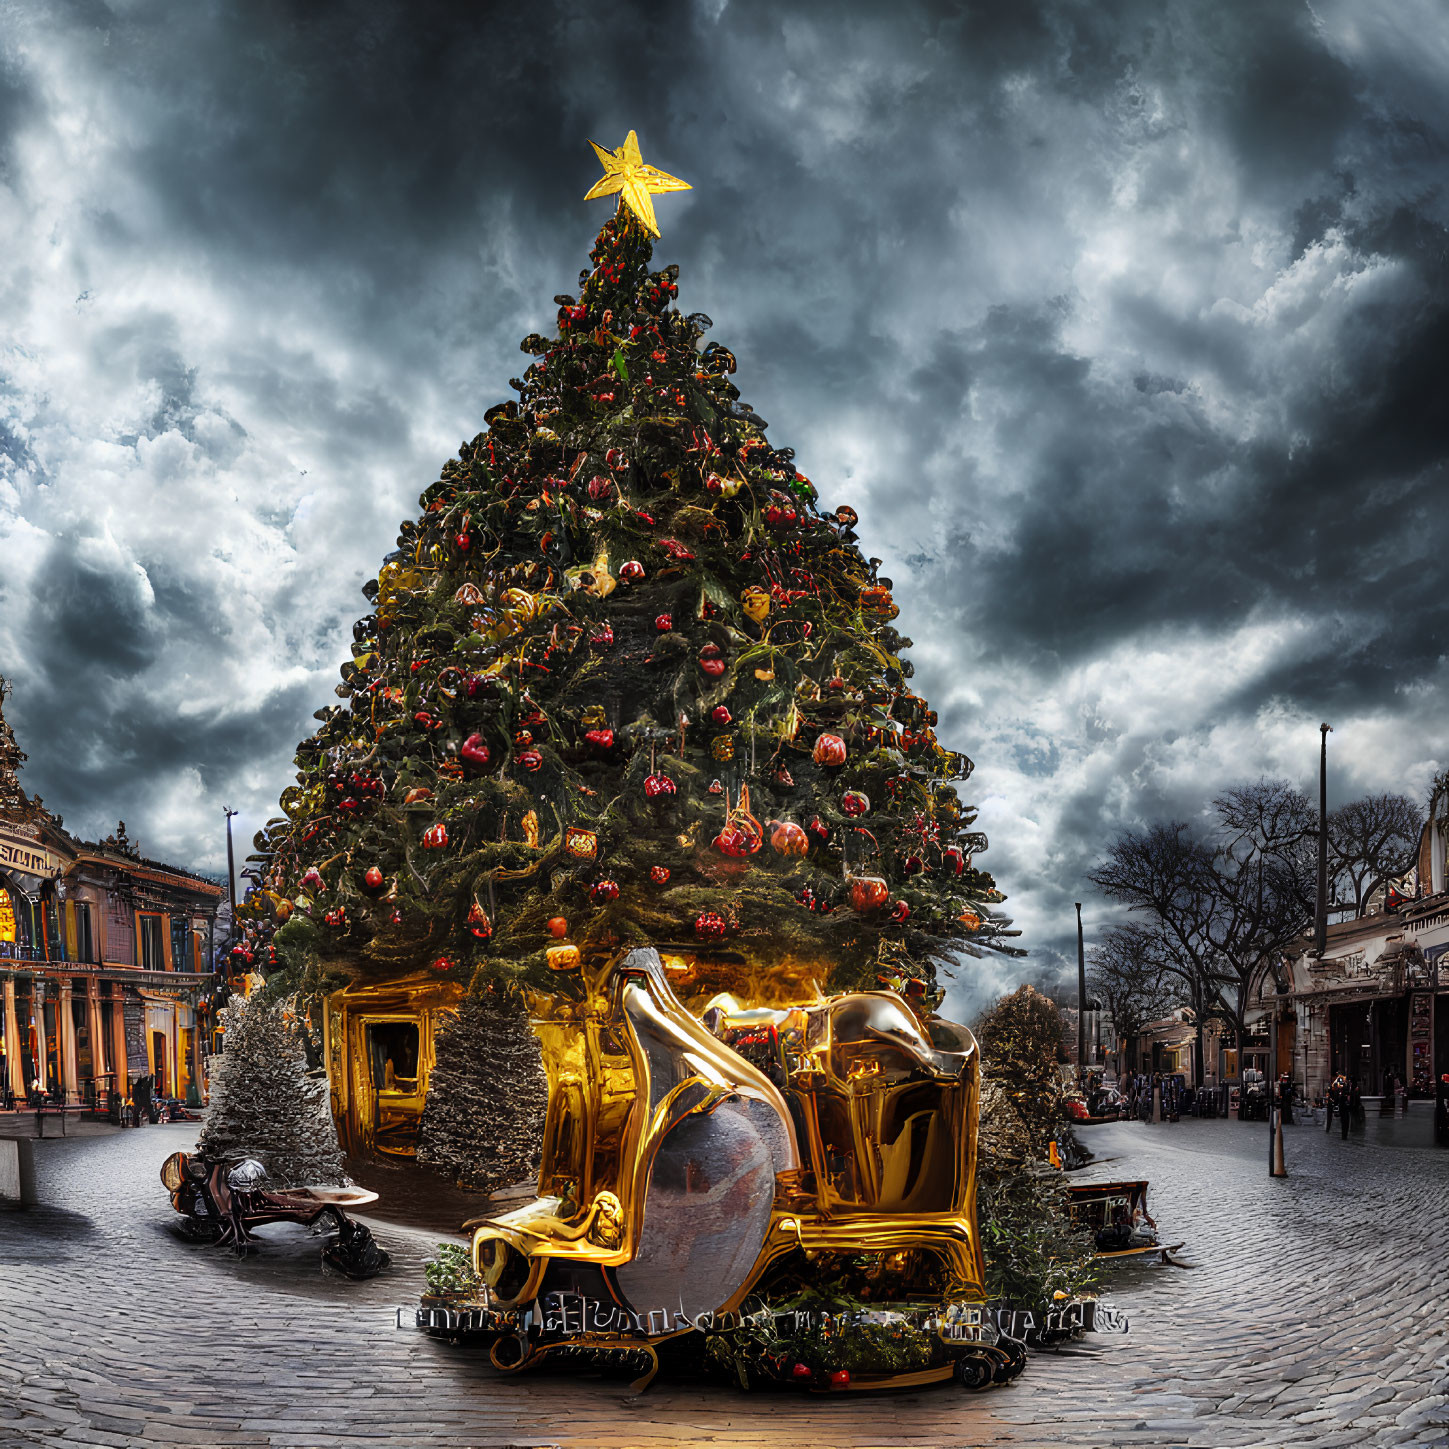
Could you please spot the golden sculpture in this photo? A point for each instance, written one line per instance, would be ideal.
(626, 172)
(688, 1157)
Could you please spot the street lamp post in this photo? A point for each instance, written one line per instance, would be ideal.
(1320, 923)
(230, 867)
(1081, 1005)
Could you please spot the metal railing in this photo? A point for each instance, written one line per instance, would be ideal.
(14, 951)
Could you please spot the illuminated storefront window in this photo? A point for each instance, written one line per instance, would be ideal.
(7, 916)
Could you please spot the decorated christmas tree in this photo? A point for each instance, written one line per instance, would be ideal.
(15, 804)
(480, 1136)
(265, 1104)
(630, 712)
(625, 681)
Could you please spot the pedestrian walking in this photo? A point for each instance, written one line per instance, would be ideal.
(1346, 1099)
(1337, 1091)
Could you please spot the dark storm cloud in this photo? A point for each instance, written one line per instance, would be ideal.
(1122, 324)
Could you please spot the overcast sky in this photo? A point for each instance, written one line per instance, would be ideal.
(1123, 325)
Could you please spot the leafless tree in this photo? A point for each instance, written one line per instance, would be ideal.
(1217, 910)
(1169, 879)
(1128, 972)
(1370, 842)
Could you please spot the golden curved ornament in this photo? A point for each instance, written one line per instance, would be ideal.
(696, 1137)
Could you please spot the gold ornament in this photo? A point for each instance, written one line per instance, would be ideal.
(847, 1068)
(756, 602)
(564, 957)
(581, 844)
(722, 747)
(626, 173)
(530, 828)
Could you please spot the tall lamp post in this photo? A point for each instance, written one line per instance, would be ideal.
(230, 866)
(1320, 923)
(1081, 1005)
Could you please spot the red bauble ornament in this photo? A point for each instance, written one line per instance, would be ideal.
(479, 686)
(801, 1373)
(900, 913)
(787, 838)
(855, 802)
(336, 917)
(631, 572)
(462, 542)
(347, 806)
(603, 891)
(372, 878)
(953, 860)
(835, 684)
(657, 787)
(435, 837)
(659, 874)
(736, 840)
(720, 714)
(664, 622)
(396, 916)
(712, 667)
(478, 923)
(819, 830)
(911, 865)
(829, 751)
(473, 752)
(603, 636)
(558, 928)
(311, 880)
(600, 488)
(530, 760)
(600, 740)
(868, 893)
(442, 963)
(806, 897)
(709, 926)
(840, 1379)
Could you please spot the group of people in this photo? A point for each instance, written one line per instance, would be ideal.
(1344, 1103)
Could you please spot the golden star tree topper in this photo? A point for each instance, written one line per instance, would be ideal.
(626, 172)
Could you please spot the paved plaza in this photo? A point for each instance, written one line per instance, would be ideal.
(1315, 1314)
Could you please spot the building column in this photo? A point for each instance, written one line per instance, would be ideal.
(198, 1052)
(100, 1050)
(66, 1044)
(121, 1081)
(14, 1070)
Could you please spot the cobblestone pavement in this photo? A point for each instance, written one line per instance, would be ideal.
(1316, 1315)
